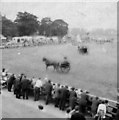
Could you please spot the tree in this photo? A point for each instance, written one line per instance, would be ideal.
(9, 28)
(27, 23)
(59, 28)
(45, 27)
(56, 28)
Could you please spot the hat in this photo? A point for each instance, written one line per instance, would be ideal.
(68, 110)
(73, 88)
(40, 107)
(65, 57)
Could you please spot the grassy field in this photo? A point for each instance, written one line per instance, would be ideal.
(95, 72)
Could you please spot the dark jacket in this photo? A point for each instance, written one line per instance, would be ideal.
(84, 96)
(25, 84)
(57, 93)
(94, 105)
(72, 94)
(77, 116)
(48, 88)
(83, 99)
(17, 84)
(117, 115)
(64, 93)
(11, 80)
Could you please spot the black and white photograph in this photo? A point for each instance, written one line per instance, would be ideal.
(58, 59)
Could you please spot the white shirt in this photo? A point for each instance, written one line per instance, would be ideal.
(102, 107)
(34, 81)
(3, 74)
(38, 83)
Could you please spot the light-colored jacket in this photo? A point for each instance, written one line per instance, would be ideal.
(102, 108)
(38, 84)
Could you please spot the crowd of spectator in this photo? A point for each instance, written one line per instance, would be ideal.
(77, 103)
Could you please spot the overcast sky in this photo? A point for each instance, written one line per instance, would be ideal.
(87, 15)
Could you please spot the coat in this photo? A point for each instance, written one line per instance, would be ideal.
(83, 99)
(57, 93)
(94, 106)
(17, 84)
(72, 94)
(11, 80)
(25, 84)
(64, 93)
(77, 116)
(48, 88)
(117, 115)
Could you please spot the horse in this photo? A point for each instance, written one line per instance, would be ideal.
(49, 63)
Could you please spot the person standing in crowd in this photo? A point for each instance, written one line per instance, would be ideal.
(3, 73)
(25, 86)
(21, 77)
(83, 102)
(101, 111)
(64, 96)
(94, 106)
(17, 87)
(77, 115)
(45, 80)
(10, 82)
(117, 113)
(48, 91)
(33, 81)
(57, 95)
(72, 98)
(3, 82)
(89, 103)
(37, 89)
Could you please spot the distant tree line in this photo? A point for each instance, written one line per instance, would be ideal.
(28, 24)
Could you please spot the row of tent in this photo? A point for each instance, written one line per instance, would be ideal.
(55, 39)
(32, 39)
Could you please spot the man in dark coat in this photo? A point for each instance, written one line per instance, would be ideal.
(83, 102)
(10, 82)
(117, 114)
(25, 86)
(48, 90)
(57, 95)
(14, 85)
(94, 106)
(72, 98)
(63, 97)
(77, 115)
(17, 87)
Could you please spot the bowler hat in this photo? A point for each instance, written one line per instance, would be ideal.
(40, 107)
